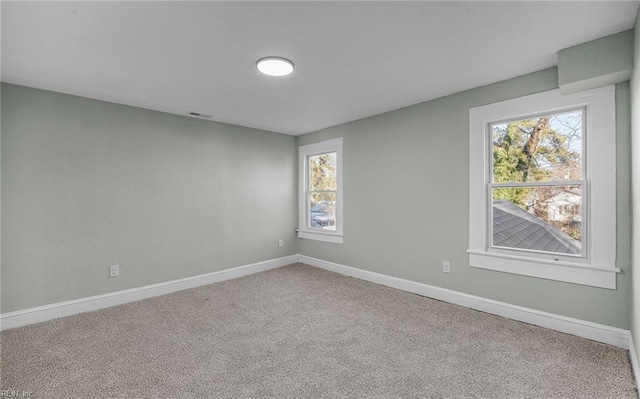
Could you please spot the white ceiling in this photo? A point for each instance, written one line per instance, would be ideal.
(353, 59)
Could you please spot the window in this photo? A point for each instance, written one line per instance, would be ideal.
(542, 187)
(536, 178)
(321, 191)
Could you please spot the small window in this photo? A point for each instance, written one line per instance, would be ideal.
(542, 188)
(321, 191)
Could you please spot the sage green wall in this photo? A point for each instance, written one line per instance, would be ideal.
(87, 184)
(597, 63)
(406, 203)
(635, 197)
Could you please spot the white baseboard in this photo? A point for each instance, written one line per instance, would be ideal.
(581, 328)
(47, 312)
(586, 329)
(635, 364)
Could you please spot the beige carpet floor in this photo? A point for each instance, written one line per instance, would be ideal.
(302, 332)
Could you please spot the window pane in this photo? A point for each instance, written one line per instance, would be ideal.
(545, 148)
(546, 218)
(322, 172)
(322, 209)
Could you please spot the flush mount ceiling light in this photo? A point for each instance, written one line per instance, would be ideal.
(274, 66)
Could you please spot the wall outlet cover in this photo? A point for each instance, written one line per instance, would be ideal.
(446, 267)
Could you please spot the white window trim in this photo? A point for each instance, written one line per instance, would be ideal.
(598, 268)
(337, 236)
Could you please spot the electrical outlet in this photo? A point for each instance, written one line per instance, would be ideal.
(446, 267)
(280, 243)
(114, 271)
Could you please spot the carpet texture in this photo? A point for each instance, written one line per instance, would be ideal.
(302, 332)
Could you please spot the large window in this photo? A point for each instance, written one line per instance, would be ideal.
(537, 182)
(321, 191)
(542, 187)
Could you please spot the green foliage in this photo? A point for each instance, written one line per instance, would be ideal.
(530, 150)
(323, 177)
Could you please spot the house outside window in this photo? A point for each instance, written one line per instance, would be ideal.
(320, 198)
(542, 187)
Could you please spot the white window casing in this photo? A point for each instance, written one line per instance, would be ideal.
(305, 231)
(596, 266)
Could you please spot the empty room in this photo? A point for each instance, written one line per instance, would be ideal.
(320, 199)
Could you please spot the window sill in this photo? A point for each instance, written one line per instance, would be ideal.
(577, 273)
(335, 238)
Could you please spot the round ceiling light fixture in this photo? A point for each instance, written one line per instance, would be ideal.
(274, 66)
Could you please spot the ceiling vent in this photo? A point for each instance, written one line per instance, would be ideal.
(199, 115)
